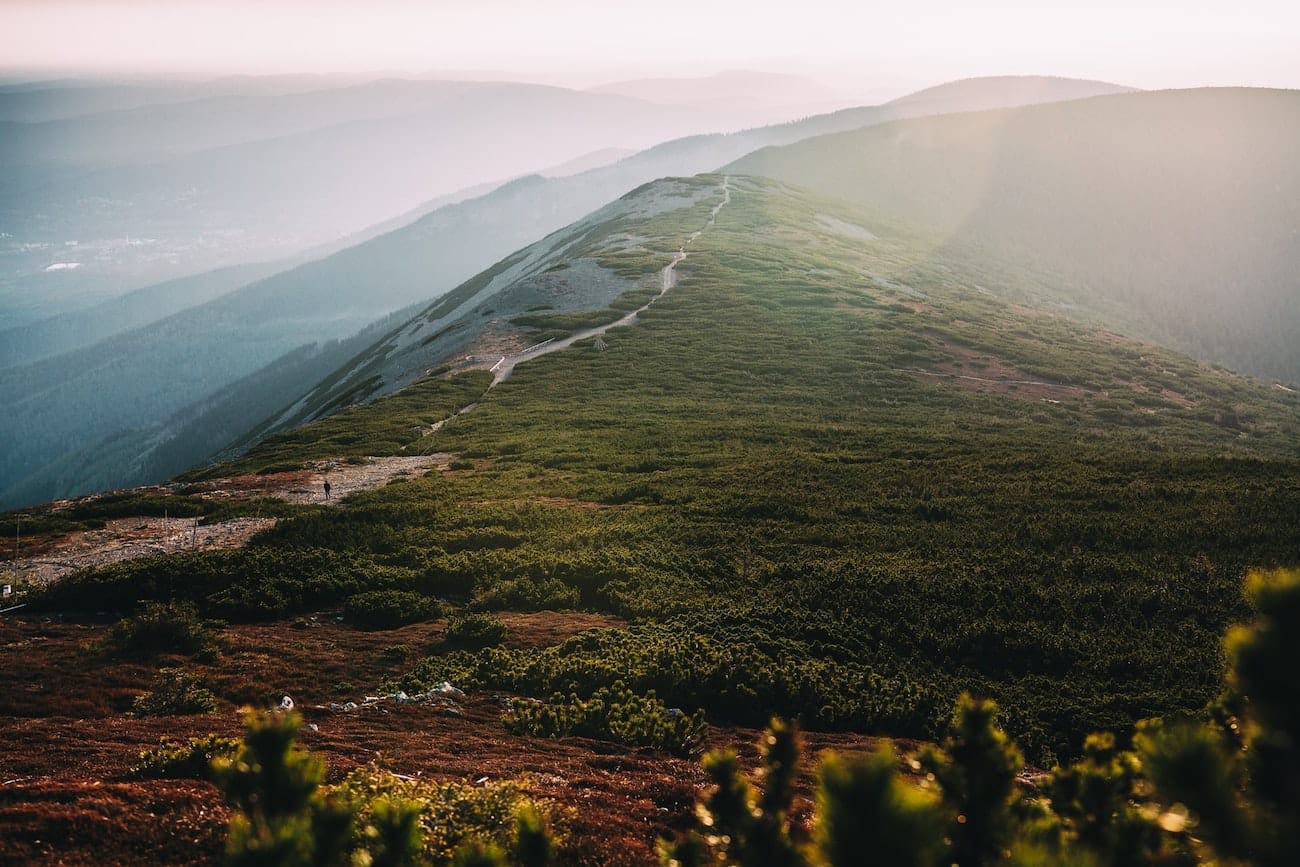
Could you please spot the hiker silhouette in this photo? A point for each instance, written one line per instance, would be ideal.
(327, 489)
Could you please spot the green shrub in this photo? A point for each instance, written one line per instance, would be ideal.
(1221, 791)
(252, 584)
(389, 609)
(281, 814)
(475, 630)
(976, 771)
(524, 594)
(176, 692)
(612, 714)
(185, 760)
(399, 652)
(868, 815)
(284, 816)
(164, 627)
(1236, 778)
(729, 676)
(272, 469)
(745, 825)
(457, 817)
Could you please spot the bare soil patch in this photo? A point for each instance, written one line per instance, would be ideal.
(128, 538)
(46, 557)
(307, 486)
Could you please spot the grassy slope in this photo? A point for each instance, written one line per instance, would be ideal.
(1172, 212)
(800, 522)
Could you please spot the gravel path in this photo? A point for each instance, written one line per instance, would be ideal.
(667, 279)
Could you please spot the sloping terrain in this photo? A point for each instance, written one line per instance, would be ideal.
(588, 267)
(70, 415)
(1171, 215)
(833, 472)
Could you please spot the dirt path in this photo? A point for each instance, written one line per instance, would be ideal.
(667, 279)
(139, 536)
(128, 538)
(345, 477)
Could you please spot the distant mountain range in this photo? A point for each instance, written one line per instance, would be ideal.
(98, 204)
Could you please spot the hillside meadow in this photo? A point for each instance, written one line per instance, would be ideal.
(836, 474)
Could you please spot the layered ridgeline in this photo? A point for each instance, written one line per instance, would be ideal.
(1171, 215)
(151, 401)
(832, 472)
(62, 334)
(124, 198)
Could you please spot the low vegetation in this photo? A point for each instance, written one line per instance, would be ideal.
(475, 630)
(165, 627)
(1215, 789)
(93, 513)
(397, 425)
(285, 816)
(258, 583)
(781, 481)
(185, 760)
(389, 609)
(527, 594)
(733, 678)
(613, 714)
(176, 692)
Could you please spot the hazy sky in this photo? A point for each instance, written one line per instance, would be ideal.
(579, 42)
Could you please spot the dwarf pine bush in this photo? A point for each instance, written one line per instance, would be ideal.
(389, 609)
(164, 627)
(1226, 790)
(733, 677)
(176, 692)
(190, 759)
(976, 771)
(743, 823)
(285, 816)
(475, 630)
(454, 819)
(526, 594)
(868, 815)
(282, 816)
(613, 714)
(1236, 779)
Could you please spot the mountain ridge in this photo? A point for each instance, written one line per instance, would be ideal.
(450, 245)
(1177, 208)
